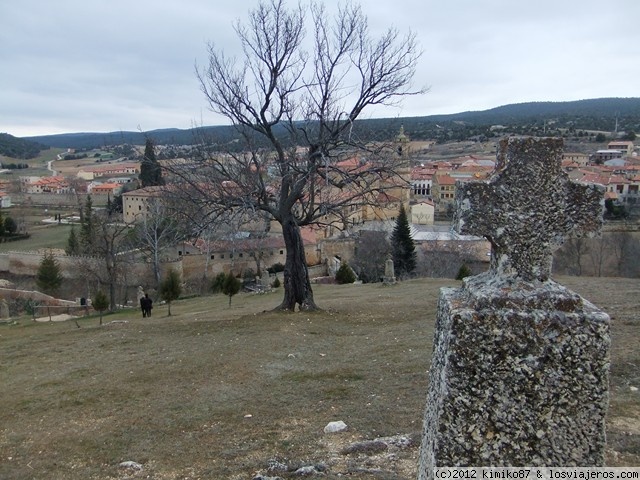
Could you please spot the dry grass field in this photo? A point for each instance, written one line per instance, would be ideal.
(71, 167)
(219, 392)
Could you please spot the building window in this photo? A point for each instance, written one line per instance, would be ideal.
(213, 257)
(281, 252)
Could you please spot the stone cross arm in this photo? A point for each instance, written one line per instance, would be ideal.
(527, 208)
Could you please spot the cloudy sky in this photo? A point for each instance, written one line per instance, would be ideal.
(110, 65)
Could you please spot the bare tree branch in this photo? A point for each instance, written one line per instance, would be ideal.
(295, 111)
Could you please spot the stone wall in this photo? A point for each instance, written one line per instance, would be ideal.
(56, 200)
(27, 263)
(193, 265)
(337, 247)
(74, 267)
(11, 294)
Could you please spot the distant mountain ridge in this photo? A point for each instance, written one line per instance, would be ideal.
(597, 106)
(594, 114)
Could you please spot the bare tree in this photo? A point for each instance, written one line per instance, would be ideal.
(371, 252)
(624, 248)
(598, 254)
(281, 96)
(256, 246)
(443, 258)
(109, 255)
(569, 258)
(620, 245)
(207, 236)
(631, 266)
(230, 227)
(157, 230)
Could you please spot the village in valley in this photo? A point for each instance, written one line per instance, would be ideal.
(251, 246)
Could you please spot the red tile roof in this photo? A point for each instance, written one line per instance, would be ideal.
(445, 179)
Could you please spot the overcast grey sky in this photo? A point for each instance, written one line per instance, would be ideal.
(109, 65)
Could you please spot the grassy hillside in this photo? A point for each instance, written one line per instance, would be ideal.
(220, 392)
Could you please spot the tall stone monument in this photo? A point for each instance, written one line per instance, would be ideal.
(389, 273)
(519, 374)
(4, 309)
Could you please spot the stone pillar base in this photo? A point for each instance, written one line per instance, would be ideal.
(519, 377)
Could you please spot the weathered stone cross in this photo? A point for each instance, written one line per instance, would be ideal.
(520, 367)
(527, 208)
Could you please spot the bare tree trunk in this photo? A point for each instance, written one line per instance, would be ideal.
(571, 255)
(112, 294)
(620, 244)
(598, 253)
(204, 283)
(258, 259)
(156, 267)
(297, 287)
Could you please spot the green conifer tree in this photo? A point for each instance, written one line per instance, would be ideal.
(171, 288)
(73, 247)
(218, 282)
(87, 228)
(49, 277)
(10, 225)
(463, 272)
(100, 303)
(150, 170)
(231, 286)
(403, 247)
(345, 274)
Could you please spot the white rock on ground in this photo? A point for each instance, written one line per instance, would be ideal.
(334, 427)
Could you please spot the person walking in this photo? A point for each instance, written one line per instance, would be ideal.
(143, 305)
(148, 305)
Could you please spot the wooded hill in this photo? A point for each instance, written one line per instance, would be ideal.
(19, 148)
(533, 118)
